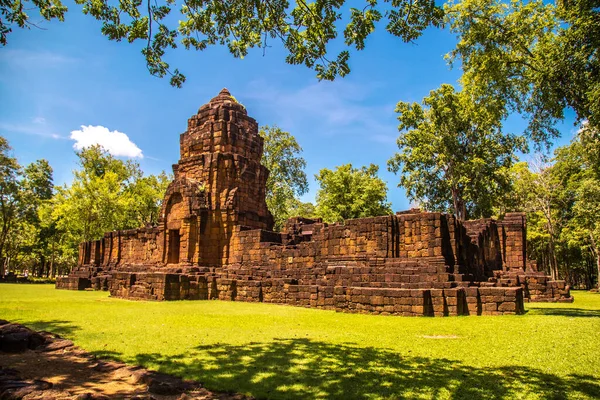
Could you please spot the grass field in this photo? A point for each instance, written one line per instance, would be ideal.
(273, 351)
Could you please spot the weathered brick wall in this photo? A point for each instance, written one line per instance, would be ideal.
(430, 237)
(486, 248)
(144, 245)
(353, 299)
(537, 286)
(507, 239)
(500, 244)
(514, 243)
(73, 282)
(159, 286)
(307, 265)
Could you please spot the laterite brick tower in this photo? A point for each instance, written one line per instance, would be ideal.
(219, 183)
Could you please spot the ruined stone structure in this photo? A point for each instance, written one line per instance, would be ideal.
(214, 241)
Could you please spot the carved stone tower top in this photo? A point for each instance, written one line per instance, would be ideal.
(221, 153)
(221, 126)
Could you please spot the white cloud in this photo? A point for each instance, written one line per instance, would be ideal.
(39, 120)
(115, 142)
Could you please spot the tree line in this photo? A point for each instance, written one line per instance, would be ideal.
(41, 225)
(533, 59)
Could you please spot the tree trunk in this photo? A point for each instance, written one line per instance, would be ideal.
(458, 204)
(598, 268)
(598, 265)
(42, 266)
(553, 260)
(52, 271)
(597, 254)
(6, 225)
(589, 273)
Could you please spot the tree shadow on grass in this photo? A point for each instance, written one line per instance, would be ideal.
(307, 369)
(566, 312)
(62, 328)
(107, 355)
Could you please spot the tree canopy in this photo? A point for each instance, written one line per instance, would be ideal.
(453, 153)
(348, 192)
(537, 58)
(576, 168)
(9, 197)
(304, 29)
(107, 194)
(22, 192)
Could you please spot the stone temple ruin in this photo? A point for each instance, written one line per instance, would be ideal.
(214, 241)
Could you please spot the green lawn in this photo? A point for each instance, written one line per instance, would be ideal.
(273, 351)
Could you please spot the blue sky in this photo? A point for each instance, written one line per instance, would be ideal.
(67, 76)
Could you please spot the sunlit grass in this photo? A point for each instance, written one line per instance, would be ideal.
(273, 351)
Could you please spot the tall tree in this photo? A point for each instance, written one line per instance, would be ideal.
(287, 179)
(144, 199)
(42, 229)
(62, 241)
(453, 154)
(22, 192)
(305, 29)
(37, 189)
(576, 168)
(9, 198)
(348, 192)
(539, 192)
(586, 224)
(535, 57)
(562, 200)
(306, 210)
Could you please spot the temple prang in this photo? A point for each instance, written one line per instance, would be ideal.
(214, 241)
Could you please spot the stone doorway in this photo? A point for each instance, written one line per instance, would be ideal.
(174, 242)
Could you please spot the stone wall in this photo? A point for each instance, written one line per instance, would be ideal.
(353, 299)
(502, 246)
(419, 270)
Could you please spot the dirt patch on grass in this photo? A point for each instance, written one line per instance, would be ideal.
(53, 368)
